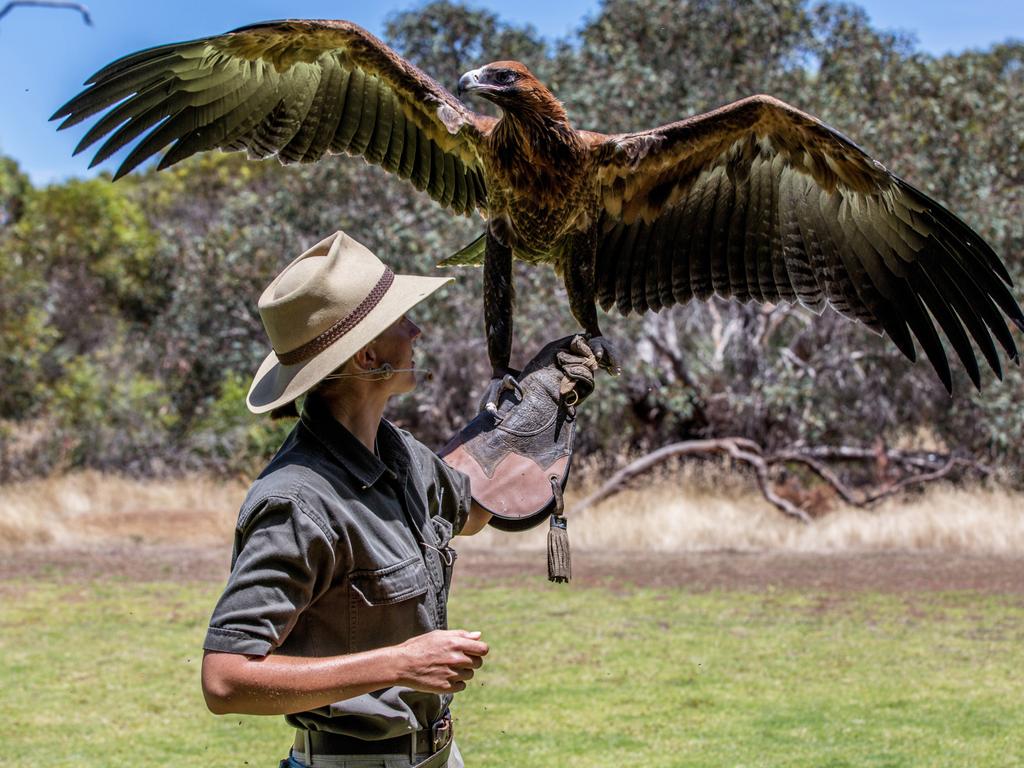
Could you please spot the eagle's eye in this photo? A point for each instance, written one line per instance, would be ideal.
(504, 77)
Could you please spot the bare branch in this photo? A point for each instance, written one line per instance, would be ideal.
(821, 471)
(928, 460)
(792, 357)
(49, 4)
(764, 482)
(721, 333)
(739, 448)
(906, 482)
(869, 498)
(750, 453)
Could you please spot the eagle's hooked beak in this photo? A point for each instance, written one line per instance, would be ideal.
(469, 82)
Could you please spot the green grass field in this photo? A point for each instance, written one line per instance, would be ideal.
(107, 674)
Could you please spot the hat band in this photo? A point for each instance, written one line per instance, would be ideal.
(317, 345)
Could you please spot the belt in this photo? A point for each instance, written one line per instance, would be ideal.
(423, 742)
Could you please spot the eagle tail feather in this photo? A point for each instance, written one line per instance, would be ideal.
(470, 256)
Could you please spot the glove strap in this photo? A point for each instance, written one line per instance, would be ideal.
(559, 562)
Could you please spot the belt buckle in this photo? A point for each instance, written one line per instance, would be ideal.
(440, 732)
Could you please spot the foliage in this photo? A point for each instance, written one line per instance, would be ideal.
(722, 678)
(155, 278)
(25, 330)
(26, 333)
(97, 250)
(14, 186)
(229, 437)
(446, 39)
(107, 419)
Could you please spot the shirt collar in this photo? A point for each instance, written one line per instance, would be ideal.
(346, 448)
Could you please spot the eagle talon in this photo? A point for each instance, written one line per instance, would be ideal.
(495, 389)
(605, 353)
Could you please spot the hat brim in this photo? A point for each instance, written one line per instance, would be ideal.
(276, 384)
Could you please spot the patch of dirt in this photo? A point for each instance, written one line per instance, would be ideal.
(894, 572)
(125, 562)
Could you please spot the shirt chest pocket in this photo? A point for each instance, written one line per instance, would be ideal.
(389, 605)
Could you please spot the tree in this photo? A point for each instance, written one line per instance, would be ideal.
(155, 278)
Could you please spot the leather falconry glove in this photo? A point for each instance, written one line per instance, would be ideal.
(518, 456)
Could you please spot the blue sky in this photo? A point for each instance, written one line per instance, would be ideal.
(46, 54)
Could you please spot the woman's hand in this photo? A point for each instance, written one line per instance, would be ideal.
(440, 661)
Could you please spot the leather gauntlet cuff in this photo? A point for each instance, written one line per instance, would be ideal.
(518, 458)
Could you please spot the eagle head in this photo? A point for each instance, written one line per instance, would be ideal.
(511, 86)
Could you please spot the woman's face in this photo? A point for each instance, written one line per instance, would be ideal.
(395, 347)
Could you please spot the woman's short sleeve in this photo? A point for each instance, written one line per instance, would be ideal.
(283, 560)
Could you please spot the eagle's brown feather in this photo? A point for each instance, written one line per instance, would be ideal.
(777, 206)
(298, 89)
(755, 200)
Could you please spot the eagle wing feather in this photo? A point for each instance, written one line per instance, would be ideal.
(759, 201)
(297, 89)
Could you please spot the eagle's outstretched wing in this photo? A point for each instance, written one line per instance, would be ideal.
(757, 200)
(297, 89)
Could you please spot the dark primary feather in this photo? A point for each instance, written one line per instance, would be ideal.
(755, 200)
(295, 89)
(769, 204)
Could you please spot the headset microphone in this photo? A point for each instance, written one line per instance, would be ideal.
(386, 371)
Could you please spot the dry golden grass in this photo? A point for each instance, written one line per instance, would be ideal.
(697, 509)
(92, 508)
(691, 509)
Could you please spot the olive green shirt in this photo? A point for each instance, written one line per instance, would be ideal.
(338, 551)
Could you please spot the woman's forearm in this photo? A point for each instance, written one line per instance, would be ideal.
(281, 685)
(476, 521)
(440, 661)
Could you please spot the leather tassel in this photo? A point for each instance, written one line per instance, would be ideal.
(559, 562)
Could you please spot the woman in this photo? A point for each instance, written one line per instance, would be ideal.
(335, 611)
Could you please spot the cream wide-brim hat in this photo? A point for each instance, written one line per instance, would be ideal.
(324, 307)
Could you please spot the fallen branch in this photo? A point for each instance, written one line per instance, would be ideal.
(869, 498)
(821, 470)
(739, 448)
(936, 465)
(920, 459)
(49, 4)
(906, 482)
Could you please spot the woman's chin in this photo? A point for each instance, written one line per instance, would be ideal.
(405, 384)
